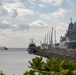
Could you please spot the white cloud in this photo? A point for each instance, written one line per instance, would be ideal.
(62, 26)
(23, 27)
(20, 27)
(60, 12)
(4, 24)
(70, 2)
(61, 29)
(46, 1)
(4, 21)
(15, 9)
(57, 14)
(57, 2)
(13, 39)
(38, 24)
(41, 5)
(53, 2)
(3, 12)
(28, 0)
(22, 12)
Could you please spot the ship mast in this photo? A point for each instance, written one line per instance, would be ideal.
(71, 20)
(32, 40)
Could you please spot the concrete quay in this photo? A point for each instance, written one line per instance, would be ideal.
(68, 54)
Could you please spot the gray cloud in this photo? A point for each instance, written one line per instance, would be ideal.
(20, 27)
(14, 13)
(4, 26)
(10, 1)
(24, 27)
(53, 2)
(3, 12)
(35, 24)
(28, 0)
(16, 9)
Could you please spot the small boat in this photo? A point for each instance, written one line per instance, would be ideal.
(31, 48)
(3, 48)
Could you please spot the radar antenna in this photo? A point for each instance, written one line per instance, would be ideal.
(71, 20)
(32, 40)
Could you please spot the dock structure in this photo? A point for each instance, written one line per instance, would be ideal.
(48, 42)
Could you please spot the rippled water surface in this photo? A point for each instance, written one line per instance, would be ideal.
(14, 61)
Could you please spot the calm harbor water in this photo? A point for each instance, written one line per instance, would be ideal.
(15, 61)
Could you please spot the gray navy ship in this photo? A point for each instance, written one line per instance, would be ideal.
(32, 47)
(69, 40)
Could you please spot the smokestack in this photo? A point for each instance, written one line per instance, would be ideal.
(47, 38)
(51, 42)
(55, 35)
(52, 36)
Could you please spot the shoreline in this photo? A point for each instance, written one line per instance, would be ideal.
(68, 54)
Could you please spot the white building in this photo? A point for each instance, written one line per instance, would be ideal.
(44, 46)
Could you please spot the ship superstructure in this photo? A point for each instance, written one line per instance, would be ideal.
(69, 40)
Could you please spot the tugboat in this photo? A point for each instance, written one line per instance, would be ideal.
(32, 47)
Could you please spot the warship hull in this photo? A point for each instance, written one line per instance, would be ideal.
(69, 40)
(71, 45)
(32, 48)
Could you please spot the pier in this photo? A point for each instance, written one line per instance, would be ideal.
(68, 54)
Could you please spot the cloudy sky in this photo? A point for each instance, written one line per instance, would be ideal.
(21, 20)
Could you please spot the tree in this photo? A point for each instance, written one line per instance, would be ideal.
(52, 66)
